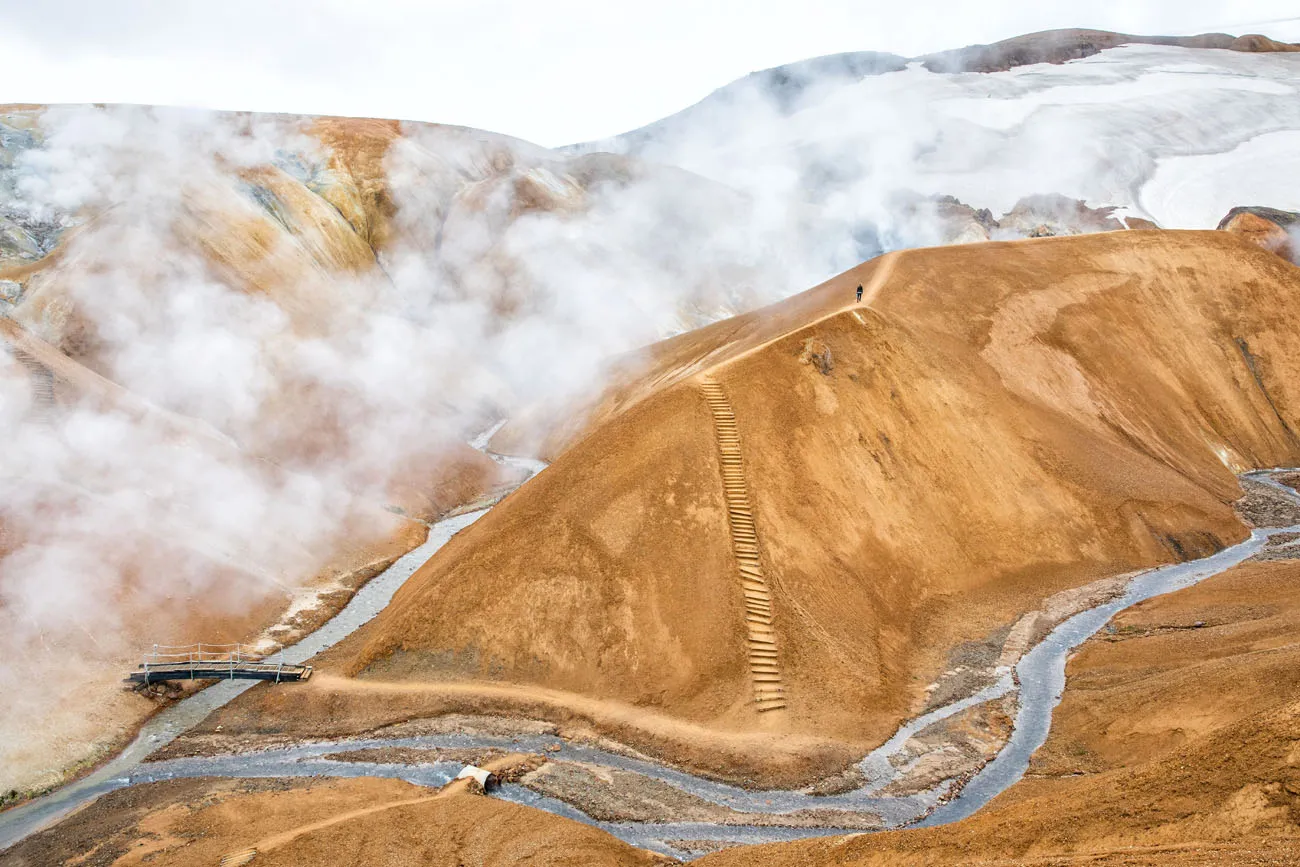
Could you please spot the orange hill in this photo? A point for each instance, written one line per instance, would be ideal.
(1140, 769)
(990, 425)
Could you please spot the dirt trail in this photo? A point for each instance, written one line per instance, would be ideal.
(522, 699)
(732, 352)
(266, 845)
(455, 787)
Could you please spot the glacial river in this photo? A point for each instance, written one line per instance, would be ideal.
(1039, 678)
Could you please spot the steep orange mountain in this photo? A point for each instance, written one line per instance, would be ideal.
(760, 548)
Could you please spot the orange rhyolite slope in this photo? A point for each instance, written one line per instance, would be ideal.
(992, 424)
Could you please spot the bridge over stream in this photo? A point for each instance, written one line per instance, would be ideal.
(214, 662)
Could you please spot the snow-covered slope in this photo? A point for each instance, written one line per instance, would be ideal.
(1175, 134)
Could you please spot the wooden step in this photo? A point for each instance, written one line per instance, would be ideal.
(765, 672)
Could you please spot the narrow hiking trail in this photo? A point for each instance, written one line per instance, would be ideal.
(287, 836)
(764, 668)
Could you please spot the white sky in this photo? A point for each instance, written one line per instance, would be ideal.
(553, 72)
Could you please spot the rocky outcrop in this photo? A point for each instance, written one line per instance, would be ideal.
(1275, 230)
(948, 220)
(1060, 46)
(1054, 214)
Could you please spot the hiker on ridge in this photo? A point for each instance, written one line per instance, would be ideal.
(859, 292)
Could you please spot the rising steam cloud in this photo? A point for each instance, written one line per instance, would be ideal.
(316, 331)
(207, 269)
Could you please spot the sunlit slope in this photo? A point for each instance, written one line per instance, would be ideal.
(1140, 769)
(991, 425)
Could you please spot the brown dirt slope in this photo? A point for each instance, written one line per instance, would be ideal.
(1140, 769)
(991, 425)
(1175, 744)
(343, 822)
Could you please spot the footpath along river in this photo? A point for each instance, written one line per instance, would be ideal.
(1039, 679)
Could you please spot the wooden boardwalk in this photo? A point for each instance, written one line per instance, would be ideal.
(214, 662)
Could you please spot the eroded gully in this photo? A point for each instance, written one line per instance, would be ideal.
(1038, 679)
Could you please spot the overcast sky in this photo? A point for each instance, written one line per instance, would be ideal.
(553, 72)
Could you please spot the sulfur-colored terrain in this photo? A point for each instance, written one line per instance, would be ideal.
(1092, 395)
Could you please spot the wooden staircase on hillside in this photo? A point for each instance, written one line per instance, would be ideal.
(769, 693)
(42, 384)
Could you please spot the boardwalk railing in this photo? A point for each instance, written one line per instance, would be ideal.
(209, 661)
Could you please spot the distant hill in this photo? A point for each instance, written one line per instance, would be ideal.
(1108, 118)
